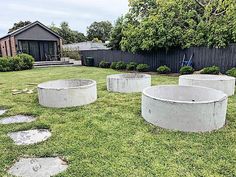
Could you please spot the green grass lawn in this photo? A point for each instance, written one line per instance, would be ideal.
(109, 137)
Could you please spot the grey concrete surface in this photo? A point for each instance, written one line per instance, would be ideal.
(218, 82)
(30, 136)
(128, 83)
(184, 108)
(2, 111)
(67, 93)
(17, 119)
(38, 167)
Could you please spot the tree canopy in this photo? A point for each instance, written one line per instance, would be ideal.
(155, 24)
(116, 34)
(100, 30)
(69, 36)
(18, 25)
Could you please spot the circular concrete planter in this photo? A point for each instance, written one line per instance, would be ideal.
(184, 108)
(128, 83)
(218, 82)
(67, 93)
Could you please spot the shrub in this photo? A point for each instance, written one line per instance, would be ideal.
(27, 61)
(73, 54)
(120, 65)
(142, 68)
(211, 70)
(104, 64)
(163, 70)
(186, 70)
(4, 64)
(131, 66)
(231, 72)
(113, 65)
(16, 63)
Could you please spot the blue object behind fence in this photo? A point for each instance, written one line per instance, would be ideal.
(187, 62)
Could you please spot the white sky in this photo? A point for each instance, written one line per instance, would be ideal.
(79, 13)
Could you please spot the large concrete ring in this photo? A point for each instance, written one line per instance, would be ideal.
(184, 108)
(67, 93)
(218, 82)
(128, 83)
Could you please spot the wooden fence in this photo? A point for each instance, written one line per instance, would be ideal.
(225, 58)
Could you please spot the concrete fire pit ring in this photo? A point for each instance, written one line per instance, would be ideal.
(184, 108)
(128, 83)
(67, 93)
(218, 82)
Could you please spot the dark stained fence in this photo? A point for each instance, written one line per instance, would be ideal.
(225, 58)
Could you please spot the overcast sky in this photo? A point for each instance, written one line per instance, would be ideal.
(79, 13)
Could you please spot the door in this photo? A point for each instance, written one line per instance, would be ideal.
(42, 53)
(40, 50)
(34, 50)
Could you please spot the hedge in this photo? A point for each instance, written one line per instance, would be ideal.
(16, 63)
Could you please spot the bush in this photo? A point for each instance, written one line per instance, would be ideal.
(131, 66)
(27, 61)
(113, 65)
(231, 72)
(71, 54)
(16, 63)
(120, 65)
(186, 70)
(104, 64)
(163, 70)
(142, 68)
(4, 64)
(211, 70)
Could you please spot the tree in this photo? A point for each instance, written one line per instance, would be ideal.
(179, 23)
(116, 34)
(69, 36)
(18, 25)
(100, 30)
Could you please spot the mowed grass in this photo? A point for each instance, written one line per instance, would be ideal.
(109, 137)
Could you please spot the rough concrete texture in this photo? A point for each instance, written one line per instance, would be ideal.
(67, 93)
(184, 108)
(30, 136)
(38, 167)
(17, 119)
(218, 82)
(128, 83)
(2, 111)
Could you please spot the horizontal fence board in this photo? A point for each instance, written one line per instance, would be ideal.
(225, 58)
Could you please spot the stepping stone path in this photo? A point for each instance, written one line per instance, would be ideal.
(17, 119)
(38, 167)
(30, 136)
(32, 167)
(2, 111)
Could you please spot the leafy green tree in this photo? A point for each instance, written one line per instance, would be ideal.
(18, 25)
(116, 34)
(100, 30)
(69, 36)
(178, 23)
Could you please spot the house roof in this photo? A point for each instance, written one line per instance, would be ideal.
(20, 30)
(89, 45)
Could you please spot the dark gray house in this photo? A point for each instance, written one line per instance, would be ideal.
(35, 39)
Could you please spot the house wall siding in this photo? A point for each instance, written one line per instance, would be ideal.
(5, 47)
(36, 33)
(13, 46)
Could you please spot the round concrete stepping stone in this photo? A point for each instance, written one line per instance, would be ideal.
(17, 119)
(30, 136)
(38, 167)
(2, 111)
